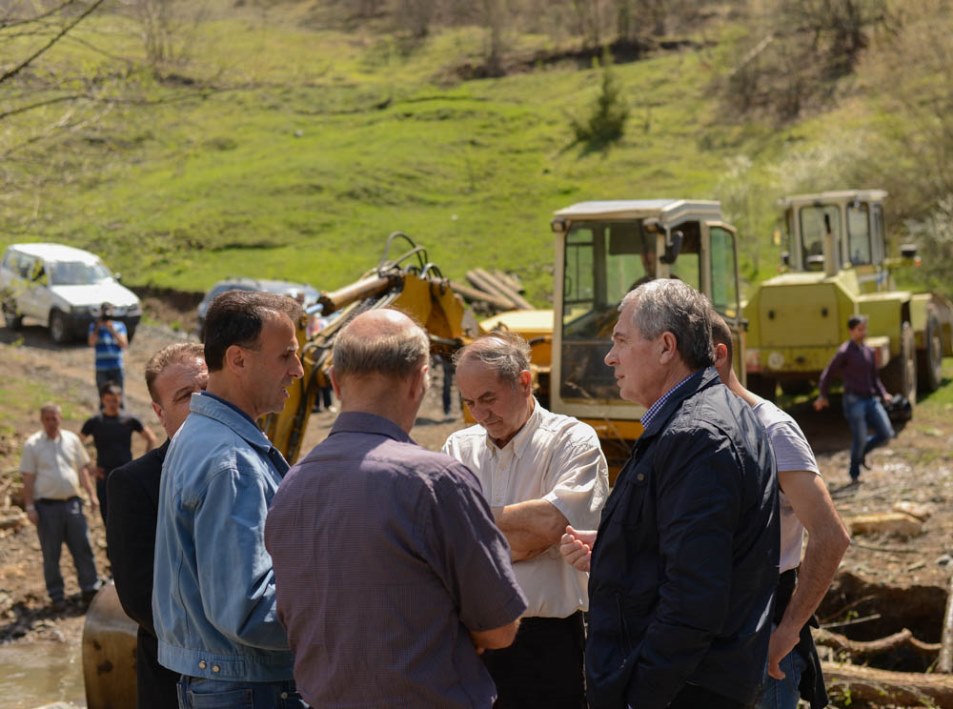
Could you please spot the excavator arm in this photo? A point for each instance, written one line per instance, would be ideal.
(408, 283)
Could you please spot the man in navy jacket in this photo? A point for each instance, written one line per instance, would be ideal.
(685, 565)
(172, 375)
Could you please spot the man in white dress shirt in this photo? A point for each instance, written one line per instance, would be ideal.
(539, 471)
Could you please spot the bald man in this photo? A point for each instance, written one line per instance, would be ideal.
(386, 555)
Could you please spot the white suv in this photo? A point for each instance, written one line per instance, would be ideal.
(62, 288)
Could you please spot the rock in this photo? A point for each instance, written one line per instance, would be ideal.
(896, 523)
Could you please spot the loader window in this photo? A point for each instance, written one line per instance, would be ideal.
(858, 236)
(603, 261)
(724, 286)
(815, 221)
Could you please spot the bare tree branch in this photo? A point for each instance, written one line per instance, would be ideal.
(56, 38)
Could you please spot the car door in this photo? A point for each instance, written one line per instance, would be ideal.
(34, 299)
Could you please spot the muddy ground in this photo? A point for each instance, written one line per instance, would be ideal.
(886, 581)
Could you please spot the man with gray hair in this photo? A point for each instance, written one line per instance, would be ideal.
(539, 471)
(392, 577)
(685, 564)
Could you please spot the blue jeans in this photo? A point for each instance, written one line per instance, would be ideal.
(861, 412)
(200, 693)
(783, 693)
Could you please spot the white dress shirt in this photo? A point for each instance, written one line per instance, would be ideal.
(555, 458)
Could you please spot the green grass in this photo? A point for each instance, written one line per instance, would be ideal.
(294, 152)
(324, 143)
(23, 397)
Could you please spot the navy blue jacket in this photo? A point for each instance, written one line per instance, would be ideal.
(685, 565)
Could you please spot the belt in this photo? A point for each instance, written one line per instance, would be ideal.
(50, 501)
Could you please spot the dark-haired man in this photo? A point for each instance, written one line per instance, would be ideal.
(109, 338)
(111, 430)
(214, 597)
(173, 374)
(864, 395)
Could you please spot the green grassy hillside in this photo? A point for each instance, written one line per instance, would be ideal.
(277, 151)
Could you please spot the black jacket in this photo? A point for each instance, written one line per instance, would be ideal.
(685, 564)
(133, 491)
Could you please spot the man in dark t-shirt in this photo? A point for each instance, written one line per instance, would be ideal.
(111, 430)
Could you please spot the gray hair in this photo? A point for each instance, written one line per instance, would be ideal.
(504, 352)
(177, 353)
(394, 352)
(670, 305)
(50, 407)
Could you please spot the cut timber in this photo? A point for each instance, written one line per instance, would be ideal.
(945, 663)
(509, 279)
(897, 523)
(862, 648)
(497, 285)
(478, 281)
(473, 294)
(880, 687)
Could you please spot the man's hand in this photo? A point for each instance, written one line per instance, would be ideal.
(32, 515)
(99, 473)
(781, 643)
(820, 403)
(93, 503)
(576, 547)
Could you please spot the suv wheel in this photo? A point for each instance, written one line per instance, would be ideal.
(58, 331)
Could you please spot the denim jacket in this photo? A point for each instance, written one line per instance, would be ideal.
(214, 596)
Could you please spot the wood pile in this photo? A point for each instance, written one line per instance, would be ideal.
(492, 291)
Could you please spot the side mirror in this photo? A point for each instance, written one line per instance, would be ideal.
(673, 247)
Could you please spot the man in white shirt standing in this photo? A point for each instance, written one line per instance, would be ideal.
(539, 472)
(54, 466)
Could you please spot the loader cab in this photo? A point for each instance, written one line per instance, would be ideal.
(832, 231)
(605, 249)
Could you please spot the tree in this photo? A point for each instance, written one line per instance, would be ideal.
(608, 115)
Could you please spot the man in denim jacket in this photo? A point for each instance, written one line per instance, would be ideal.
(214, 596)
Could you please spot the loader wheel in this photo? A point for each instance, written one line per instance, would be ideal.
(900, 376)
(930, 358)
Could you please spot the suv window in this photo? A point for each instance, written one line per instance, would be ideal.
(77, 273)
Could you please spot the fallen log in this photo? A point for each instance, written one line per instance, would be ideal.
(881, 687)
(898, 523)
(862, 648)
(945, 663)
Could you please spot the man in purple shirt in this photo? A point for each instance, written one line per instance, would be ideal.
(863, 395)
(391, 575)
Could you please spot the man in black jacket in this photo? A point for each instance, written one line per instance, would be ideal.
(685, 565)
(172, 375)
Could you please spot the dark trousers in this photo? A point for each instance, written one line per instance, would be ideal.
(691, 696)
(63, 521)
(543, 668)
